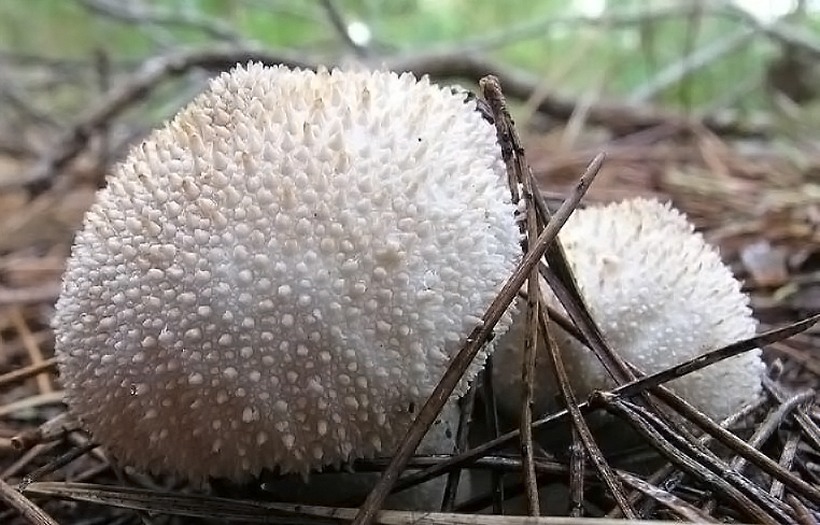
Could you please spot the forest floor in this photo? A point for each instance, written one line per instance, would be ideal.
(759, 203)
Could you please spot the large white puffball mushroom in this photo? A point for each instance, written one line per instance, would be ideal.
(660, 295)
(279, 277)
(346, 488)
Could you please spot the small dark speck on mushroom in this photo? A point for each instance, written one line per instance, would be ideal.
(284, 311)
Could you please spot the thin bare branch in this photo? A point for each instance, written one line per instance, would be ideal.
(786, 459)
(571, 403)
(629, 389)
(137, 13)
(194, 505)
(473, 344)
(693, 462)
(28, 510)
(466, 405)
(517, 84)
(21, 374)
(577, 462)
(670, 501)
(337, 20)
(51, 430)
(741, 448)
(768, 426)
(520, 176)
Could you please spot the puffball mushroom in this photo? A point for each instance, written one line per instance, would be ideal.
(660, 295)
(278, 278)
(344, 488)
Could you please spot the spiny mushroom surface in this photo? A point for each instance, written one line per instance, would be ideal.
(278, 275)
(660, 295)
(345, 487)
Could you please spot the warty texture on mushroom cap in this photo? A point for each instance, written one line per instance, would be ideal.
(347, 487)
(275, 277)
(660, 295)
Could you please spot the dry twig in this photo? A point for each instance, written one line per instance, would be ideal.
(520, 176)
(475, 340)
(626, 390)
(153, 72)
(31, 512)
(580, 426)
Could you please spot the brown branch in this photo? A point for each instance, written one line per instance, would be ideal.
(33, 349)
(670, 444)
(807, 425)
(741, 448)
(767, 427)
(626, 390)
(621, 118)
(786, 459)
(709, 358)
(24, 506)
(543, 467)
(668, 477)
(138, 86)
(605, 472)
(57, 463)
(475, 340)
(683, 509)
(803, 514)
(52, 430)
(519, 175)
(224, 509)
(21, 374)
(577, 467)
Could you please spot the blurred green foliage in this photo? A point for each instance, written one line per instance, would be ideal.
(618, 51)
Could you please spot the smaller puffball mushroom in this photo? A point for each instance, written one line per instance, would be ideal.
(660, 295)
(276, 277)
